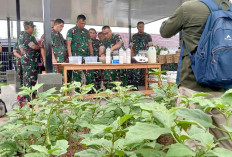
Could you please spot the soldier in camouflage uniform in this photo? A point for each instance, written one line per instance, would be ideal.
(17, 54)
(29, 55)
(96, 44)
(79, 44)
(95, 41)
(101, 37)
(140, 41)
(58, 42)
(115, 42)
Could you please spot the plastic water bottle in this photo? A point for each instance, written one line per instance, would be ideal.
(128, 55)
(121, 56)
(108, 56)
(124, 57)
(151, 54)
(108, 52)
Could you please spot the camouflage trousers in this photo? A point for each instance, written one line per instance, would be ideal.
(85, 77)
(30, 74)
(136, 77)
(19, 72)
(109, 76)
(60, 58)
(97, 76)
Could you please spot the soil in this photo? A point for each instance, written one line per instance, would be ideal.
(165, 140)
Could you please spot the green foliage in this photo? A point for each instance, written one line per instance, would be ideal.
(123, 124)
(165, 93)
(180, 150)
(35, 33)
(159, 49)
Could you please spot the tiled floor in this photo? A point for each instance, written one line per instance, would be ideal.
(8, 95)
(3, 120)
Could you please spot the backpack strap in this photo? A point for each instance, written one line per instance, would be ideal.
(180, 61)
(212, 5)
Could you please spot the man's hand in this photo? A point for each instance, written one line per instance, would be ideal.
(68, 43)
(111, 49)
(91, 49)
(21, 50)
(17, 54)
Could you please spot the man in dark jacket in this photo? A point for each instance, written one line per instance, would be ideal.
(190, 18)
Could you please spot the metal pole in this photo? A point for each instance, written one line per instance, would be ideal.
(47, 35)
(129, 21)
(9, 42)
(11, 29)
(18, 17)
(9, 37)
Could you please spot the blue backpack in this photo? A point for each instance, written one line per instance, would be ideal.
(212, 62)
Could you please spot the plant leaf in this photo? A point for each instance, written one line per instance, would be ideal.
(62, 145)
(34, 128)
(123, 119)
(227, 97)
(119, 152)
(151, 106)
(143, 131)
(89, 153)
(228, 128)
(9, 146)
(166, 119)
(99, 142)
(96, 129)
(201, 135)
(35, 155)
(150, 153)
(196, 115)
(40, 148)
(180, 150)
(222, 152)
(36, 87)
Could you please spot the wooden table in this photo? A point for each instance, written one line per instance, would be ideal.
(72, 66)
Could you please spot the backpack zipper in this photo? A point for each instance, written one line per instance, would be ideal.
(216, 50)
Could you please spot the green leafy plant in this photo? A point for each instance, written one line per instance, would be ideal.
(159, 49)
(116, 123)
(165, 92)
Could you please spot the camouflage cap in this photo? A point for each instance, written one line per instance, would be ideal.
(29, 23)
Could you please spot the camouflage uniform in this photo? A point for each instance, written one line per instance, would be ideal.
(97, 73)
(58, 45)
(96, 44)
(113, 75)
(18, 62)
(29, 59)
(80, 40)
(139, 42)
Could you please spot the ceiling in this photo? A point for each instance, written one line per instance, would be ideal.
(98, 12)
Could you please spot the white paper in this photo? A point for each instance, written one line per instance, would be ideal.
(31, 44)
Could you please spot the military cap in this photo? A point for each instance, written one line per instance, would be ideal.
(29, 23)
